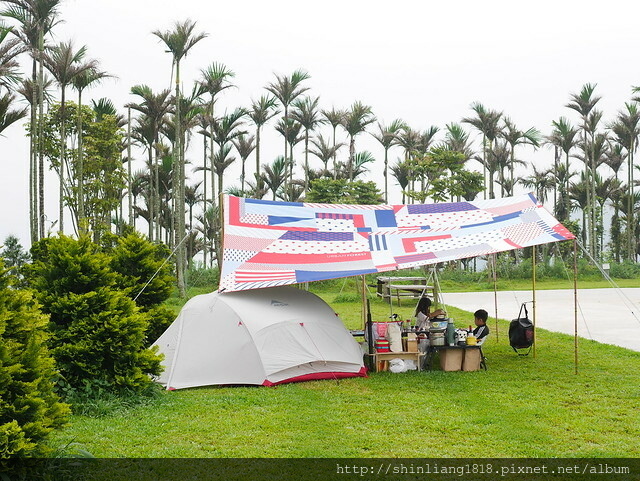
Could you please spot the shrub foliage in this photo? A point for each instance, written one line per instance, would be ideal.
(29, 407)
(97, 331)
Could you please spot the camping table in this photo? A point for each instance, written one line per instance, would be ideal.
(386, 285)
(431, 350)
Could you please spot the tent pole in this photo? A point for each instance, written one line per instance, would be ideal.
(495, 289)
(533, 275)
(575, 303)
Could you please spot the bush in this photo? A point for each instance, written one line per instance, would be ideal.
(625, 270)
(97, 331)
(29, 407)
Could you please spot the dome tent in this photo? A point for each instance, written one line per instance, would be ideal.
(260, 337)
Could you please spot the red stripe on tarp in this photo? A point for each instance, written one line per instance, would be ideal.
(511, 243)
(318, 376)
(410, 243)
(278, 258)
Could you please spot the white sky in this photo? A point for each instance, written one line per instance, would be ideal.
(424, 62)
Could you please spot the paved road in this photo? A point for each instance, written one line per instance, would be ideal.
(611, 316)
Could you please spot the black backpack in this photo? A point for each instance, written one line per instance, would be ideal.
(521, 332)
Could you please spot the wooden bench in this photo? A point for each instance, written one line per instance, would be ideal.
(398, 287)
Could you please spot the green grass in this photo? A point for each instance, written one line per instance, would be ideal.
(521, 407)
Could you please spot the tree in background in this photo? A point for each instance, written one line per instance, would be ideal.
(97, 331)
(15, 257)
(343, 191)
(29, 407)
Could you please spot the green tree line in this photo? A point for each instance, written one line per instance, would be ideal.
(175, 198)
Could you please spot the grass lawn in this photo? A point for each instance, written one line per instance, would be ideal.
(520, 407)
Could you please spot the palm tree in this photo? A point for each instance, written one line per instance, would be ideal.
(457, 139)
(36, 19)
(153, 108)
(515, 137)
(275, 175)
(290, 130)
(260, 113)
(563, 137)
(487, 123)
(9, 114)
(65, 64)
(626, 128)
(584, 103)
(355, 122)
(286, 90)
(307, 115)
(402, 173)
(427, 138)
(334, 117)
(388, 136)
(225, 130)
(498, 157)
(540, 181)
(80, 82)
(244, 145)
(179, 42)
(325, 152)
(215, 78)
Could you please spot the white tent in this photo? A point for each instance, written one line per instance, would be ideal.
(263, 337)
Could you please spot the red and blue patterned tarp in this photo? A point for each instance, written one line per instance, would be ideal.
(269, 243)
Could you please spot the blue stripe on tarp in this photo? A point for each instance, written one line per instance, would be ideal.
(533, 198)
(496, 220)
(276, 219)
(386, 218)
(274, 202)
(364, 229)
(438, 208)
(384, 242)
(308, 276)
(317, 236)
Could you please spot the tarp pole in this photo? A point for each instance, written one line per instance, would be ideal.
(364, 307)
(221, 211)
(575, 303)
(495, 289)
(533, 275)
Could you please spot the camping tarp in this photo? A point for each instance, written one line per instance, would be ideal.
(264, 337)
(270, 243)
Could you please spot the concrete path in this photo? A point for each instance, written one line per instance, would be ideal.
(611, 316)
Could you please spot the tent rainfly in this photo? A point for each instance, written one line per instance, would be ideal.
(260, 337)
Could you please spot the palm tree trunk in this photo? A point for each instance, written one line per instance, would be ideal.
(62, 161)
(352, 154)
(33, 163)
(335, 165)
(213, 180)
(81, 224)
(258, 182)
(178, 195)
(129, 179)
(386, 175)
(306, 161)
(40, 128)
(204, 189)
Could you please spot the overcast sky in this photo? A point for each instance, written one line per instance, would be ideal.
(424, 62)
